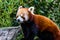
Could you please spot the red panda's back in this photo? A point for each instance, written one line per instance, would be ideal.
(45, 23)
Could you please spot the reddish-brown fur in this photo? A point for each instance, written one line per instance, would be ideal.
(58, 37)
(43, 23)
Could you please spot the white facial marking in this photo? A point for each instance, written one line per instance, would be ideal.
(26, 17)
(21, 14)
(20, 19)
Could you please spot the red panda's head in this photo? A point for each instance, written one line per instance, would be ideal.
(24, 14)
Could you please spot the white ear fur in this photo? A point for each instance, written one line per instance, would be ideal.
(20, 7)
(31, 9)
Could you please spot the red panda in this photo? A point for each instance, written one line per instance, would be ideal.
(41, 23)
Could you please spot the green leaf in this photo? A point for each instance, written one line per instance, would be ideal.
(49, 1)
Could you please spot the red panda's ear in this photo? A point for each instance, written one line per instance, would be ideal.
(20, 7)
(31, 9)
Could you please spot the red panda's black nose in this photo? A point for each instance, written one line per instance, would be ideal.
(18, 20)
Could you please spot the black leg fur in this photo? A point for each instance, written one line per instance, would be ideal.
(29, 30)
(46, 35)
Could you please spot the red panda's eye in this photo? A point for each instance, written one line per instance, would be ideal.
(22, 17)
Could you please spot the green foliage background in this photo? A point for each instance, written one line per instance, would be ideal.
(8, 9)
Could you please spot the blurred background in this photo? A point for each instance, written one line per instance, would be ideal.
(8, 10)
